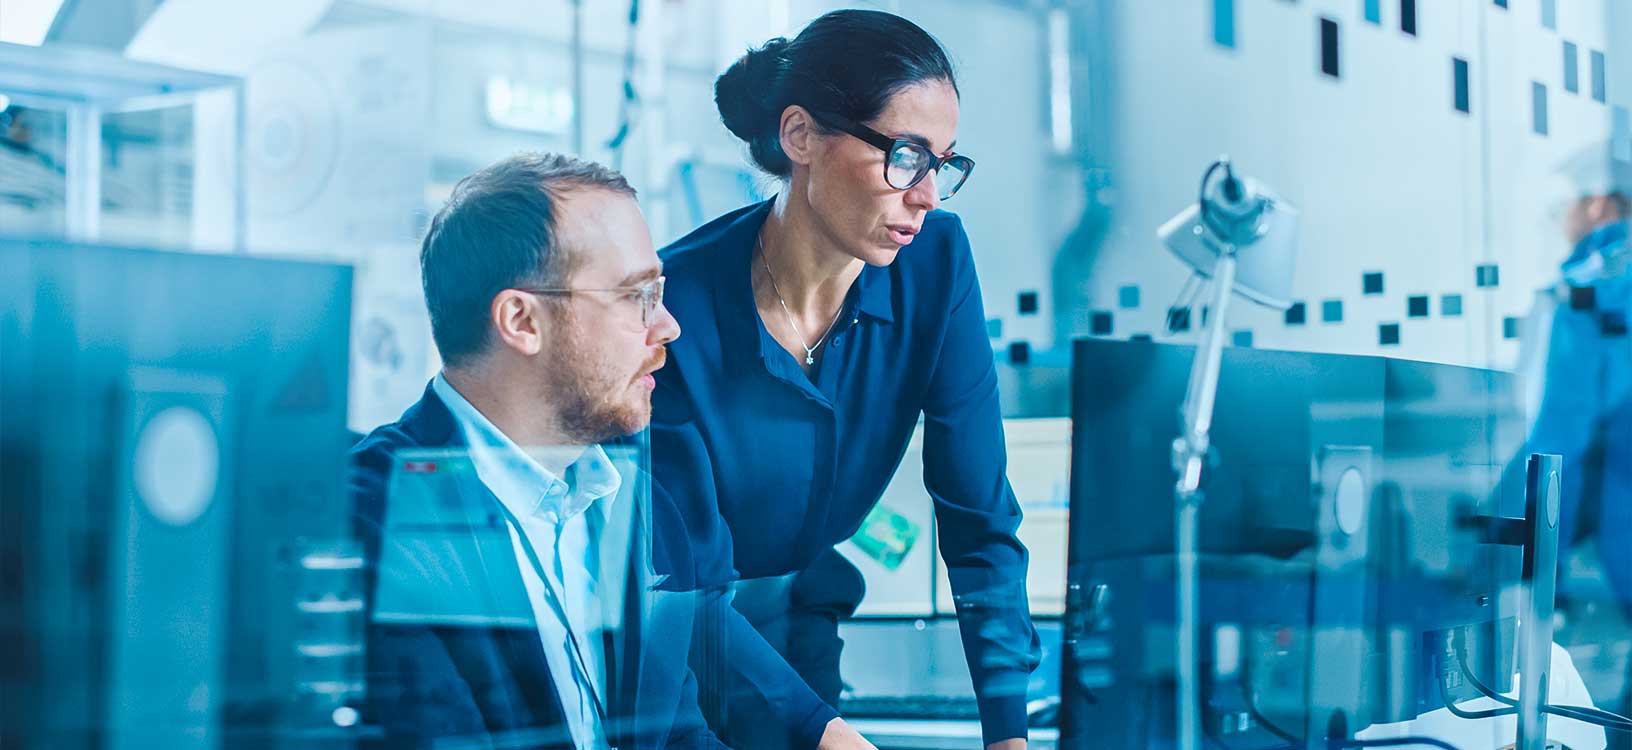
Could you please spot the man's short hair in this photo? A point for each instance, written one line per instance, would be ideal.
(498, 231)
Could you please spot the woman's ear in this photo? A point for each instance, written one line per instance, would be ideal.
(800, 135)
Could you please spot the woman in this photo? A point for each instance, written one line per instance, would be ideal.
(820, 327)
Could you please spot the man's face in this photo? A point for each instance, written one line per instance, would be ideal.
(598, 360)
(1587, 214)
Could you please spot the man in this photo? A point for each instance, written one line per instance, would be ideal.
(1577, 365)
(513, 592)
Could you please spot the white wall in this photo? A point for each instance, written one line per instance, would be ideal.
(1388, 175)
(363, 112)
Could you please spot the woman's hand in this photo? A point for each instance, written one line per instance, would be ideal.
(1017, 743)
(842, 736)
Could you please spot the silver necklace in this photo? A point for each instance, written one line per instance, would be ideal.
(810, 351)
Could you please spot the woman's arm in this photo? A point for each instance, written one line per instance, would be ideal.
(976, 512)
(696, 554)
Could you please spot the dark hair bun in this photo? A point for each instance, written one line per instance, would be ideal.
(745, 95)
(848, 62)
(744, 91)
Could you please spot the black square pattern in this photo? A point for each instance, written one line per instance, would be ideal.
(1372, 282)
(1612, 324)
(1388, 334)
(1100, 323)
(1020, 352)
(1028, 303)
(1329, 63)
(1178, 319)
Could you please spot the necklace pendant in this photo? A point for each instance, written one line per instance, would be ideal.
(810, 360)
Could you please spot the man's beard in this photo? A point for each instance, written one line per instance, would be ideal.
(594, 404)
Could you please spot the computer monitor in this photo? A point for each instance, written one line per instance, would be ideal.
(175, 563)
(1336, 557)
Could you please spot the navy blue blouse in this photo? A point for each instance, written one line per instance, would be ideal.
(771, 467)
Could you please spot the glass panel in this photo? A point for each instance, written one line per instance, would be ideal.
(33, 193)
(1424, 208)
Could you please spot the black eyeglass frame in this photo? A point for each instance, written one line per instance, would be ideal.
(888, 145)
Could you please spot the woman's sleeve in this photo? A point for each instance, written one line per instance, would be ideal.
(976, 512)
(694, 549)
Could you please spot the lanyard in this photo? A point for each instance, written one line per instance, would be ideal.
(560, 611)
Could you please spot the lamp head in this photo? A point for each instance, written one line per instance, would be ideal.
(1238, 216)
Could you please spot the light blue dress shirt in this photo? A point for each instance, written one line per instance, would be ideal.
(556, 515)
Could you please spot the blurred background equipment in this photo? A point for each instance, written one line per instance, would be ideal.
(173, 525)
(1345, 563)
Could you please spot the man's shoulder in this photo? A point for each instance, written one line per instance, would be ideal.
(426, 424)
(376, 449)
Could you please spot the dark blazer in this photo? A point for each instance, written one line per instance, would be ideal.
(436, 677)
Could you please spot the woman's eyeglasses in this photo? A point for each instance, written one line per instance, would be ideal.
(906, 162)
(649, 295)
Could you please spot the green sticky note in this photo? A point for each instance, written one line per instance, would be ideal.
(886, 536)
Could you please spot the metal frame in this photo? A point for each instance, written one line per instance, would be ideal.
(89, 84)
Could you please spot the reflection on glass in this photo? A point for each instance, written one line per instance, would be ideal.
(33, 182)
(147, 177)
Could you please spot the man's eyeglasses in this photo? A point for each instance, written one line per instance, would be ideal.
(649, 295)
(906, 162)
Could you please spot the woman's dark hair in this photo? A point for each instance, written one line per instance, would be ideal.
(848, 62)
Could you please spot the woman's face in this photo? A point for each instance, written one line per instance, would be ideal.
(858, 210)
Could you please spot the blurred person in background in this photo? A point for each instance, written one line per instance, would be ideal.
(1576, 363)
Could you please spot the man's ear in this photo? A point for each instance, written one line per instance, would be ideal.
(518, 320)
(800, 135)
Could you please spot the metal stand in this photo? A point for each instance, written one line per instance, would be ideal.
(1540, 572)
(1189, 455)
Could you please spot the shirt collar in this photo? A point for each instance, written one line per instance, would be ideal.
(874, 292)
(516, 477)
(1603, 245)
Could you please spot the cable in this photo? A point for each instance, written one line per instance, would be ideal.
(1586, 714)
(631, 97)
(1598, 712)
(1591, 716)
(1398, 742)
(1250, 698)
(1467, 674)
(1450, 705)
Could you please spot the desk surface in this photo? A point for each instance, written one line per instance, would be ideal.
(912, 734)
